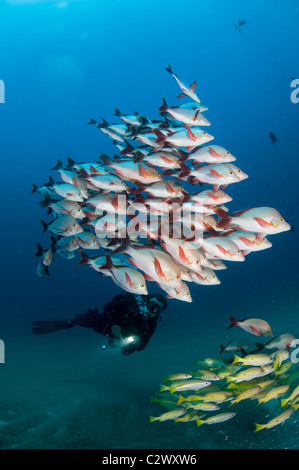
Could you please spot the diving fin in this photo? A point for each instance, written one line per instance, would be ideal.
(42, 327)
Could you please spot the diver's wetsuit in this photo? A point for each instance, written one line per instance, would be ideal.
(125, 316)
(127, 311)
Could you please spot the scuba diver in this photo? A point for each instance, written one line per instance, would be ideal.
(128, 321)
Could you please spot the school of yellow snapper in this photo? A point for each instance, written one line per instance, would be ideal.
(256, 372)
(140, 209)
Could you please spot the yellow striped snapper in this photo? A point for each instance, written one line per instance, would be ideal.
(275, 421)
(220, 418)
(185, 385)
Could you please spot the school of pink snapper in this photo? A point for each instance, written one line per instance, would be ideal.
(140, 208)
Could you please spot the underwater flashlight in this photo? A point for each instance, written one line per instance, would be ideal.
(129, 340)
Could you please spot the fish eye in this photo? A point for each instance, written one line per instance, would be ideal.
(197, 262)
(177, 276)
(204, 133)
(187, 293)
(74, 225)
(204, 257)
(228, 153)
(281, 219)
(231, 172)
(239, 251)
(214, 277)
(142, 285)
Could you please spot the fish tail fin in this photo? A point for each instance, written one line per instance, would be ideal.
(258, 427)
(222, 348)
(104, 124)
(70, 163)
(168, 69)
(92, 121)
(232, 385)
(140, 187)
(125, 244)
(83, 174)
(108, 265)
(211, 230)
(237, 359)
(233, 322)
(229, 379)
(45, 203)
(34, 188)
(164, 106)
(133, 130)
(284, 402)
(185, 170)
(105, 159)
(50, 183)
(183, 155)
(275, 364)
(154, 399)
(181, 399)
(160, 136)
(45, 226)
(139, 156)
(295, 407)
(169, 172)
(199, 422)
(40, 250)
(84, 258)
(225, 218)
(163, 388)
(128, 149)
(57, 166)
(152, 419)
(144, 121)
(117, 112)
(172, 388)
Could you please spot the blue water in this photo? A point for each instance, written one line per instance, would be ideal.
(64, 62)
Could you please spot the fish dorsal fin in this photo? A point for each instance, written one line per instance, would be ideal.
(193, 85)
(190, 133)
(240, 212)
(158, 268)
